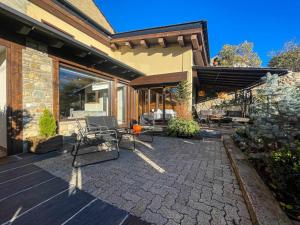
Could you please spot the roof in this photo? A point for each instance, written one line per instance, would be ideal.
(160, 79)
(170, 28)
(87, 19)
(14, 22)
(154, 30)
(233, 77)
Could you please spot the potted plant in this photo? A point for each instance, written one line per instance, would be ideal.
(47, 140)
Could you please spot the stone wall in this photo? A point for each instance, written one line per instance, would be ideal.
(291, 78)
(37, 87)
(69, 128)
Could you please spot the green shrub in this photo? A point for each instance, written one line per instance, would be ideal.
(47, 124)
(284, 169)
(182, 127)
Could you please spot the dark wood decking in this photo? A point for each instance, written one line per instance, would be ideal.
(30, 195)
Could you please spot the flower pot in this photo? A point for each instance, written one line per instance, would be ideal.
(46, 145)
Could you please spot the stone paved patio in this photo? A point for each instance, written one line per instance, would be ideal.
(171, 181)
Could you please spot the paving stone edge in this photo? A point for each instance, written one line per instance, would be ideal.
(261, 204)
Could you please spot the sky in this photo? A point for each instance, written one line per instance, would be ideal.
(266, 23)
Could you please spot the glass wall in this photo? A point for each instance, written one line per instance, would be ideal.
(121, 93)
(157, 102)
(83, 94)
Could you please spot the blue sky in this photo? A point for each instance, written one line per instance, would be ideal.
(266, 23)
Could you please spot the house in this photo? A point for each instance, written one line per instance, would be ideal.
(65, 56)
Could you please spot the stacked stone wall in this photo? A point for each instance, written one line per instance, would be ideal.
(291, 78)
(37, 69)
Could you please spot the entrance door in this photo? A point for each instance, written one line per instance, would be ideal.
(3, 104)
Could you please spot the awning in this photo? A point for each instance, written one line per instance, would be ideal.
(159, 79)
(19, 27)
(233, 77)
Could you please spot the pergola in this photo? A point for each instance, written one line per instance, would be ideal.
(233, 78)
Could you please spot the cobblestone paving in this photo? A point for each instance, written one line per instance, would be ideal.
(171, 181)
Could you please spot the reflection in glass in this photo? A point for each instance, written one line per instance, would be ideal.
(82, 94)
(157, 103)
(121, 93)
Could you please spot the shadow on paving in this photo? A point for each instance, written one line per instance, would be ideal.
(30, 195)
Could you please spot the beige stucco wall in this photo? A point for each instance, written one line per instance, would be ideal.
(19, 5)
(89, 8)
(155, 60)
(38, 13)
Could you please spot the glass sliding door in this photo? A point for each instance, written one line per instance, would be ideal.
(121, 94)
(157, 101)
(83, 94)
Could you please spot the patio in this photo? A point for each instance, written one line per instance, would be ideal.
(170, 181)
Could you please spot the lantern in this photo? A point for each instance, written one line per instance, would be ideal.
(201, 93)
(222, 95)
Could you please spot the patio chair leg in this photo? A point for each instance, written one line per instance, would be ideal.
(76, 148)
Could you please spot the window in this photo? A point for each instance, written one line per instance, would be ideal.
(121, 103)
(83, 94)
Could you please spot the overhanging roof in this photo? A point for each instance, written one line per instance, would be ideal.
(170, 33)
(233, 77)
(159, 79)
(22, 26)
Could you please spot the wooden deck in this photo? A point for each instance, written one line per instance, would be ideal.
(30, 195)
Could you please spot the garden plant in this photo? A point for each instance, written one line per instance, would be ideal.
(272, 140)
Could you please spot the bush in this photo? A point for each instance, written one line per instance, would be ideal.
(284, 169)
(182, 127)
(47, 124)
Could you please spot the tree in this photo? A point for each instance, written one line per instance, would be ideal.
(288, 57)
(241, 55)
(182, 95)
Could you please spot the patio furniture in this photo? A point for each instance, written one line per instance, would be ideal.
(94, 137)
(149, 131)
(202, 116)
(106, 123)
(103, 123)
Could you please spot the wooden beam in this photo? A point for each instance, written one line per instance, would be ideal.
(180, 40)
(129, 44)
(162, 42)
(24, 30)
(198, 59)
(56, 43)
(114, 46)
(204, 48)
(157, 35)
(195, 42)
(144, 43)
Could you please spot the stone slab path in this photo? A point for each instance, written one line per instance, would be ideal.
(31, 195)
(170, 181)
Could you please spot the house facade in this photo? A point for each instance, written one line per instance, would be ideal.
(65, 56)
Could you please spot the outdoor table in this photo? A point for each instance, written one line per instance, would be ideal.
(148, 130)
